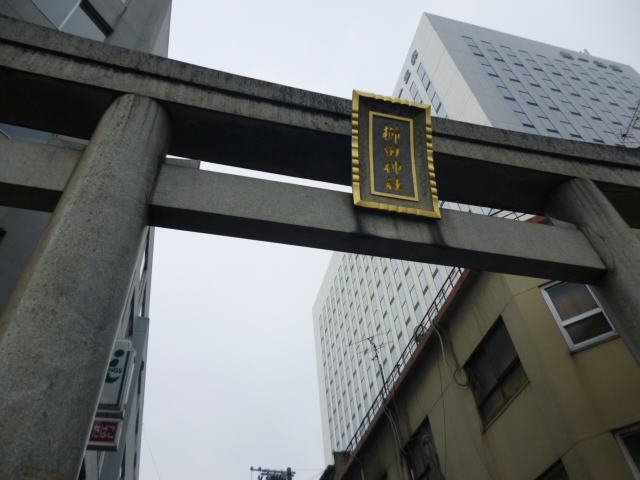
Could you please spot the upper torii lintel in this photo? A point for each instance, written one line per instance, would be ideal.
(60, 83)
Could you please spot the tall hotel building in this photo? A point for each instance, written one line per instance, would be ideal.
(136, 24)
(368, 309)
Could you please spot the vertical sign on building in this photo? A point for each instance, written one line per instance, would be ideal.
(392, 155)
(108, 424)
(116, 383)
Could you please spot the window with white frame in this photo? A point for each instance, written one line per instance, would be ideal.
(629, 441)
(578, 313)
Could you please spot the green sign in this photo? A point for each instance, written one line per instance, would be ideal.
(118, 378)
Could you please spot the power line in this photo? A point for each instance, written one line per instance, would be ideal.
(149, 447)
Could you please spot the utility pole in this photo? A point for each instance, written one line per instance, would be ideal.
(266, 474)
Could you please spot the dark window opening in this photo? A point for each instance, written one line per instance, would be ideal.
(556, 472)
(495, 372)
(423, 456)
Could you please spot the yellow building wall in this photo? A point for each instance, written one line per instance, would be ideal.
(567, 411)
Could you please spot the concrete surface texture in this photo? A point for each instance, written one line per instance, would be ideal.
(69, 300)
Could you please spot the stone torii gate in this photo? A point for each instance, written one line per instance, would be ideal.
(136, 107)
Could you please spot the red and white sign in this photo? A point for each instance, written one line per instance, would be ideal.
(105, 434)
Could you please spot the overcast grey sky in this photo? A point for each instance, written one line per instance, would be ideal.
(231, 379)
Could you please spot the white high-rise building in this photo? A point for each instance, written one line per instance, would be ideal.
(368, 309)
(476, 75)
(365, 317)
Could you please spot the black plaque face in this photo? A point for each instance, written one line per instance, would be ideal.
(392, 156)
(391, 153)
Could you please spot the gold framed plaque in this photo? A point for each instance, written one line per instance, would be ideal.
(392, 155)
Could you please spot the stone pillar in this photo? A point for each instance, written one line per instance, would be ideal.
(58, 330)
(580, 202)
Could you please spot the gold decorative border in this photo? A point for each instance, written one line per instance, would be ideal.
(355, 158)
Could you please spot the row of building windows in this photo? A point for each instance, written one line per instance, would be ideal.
(75, 17)
(506, 93)
(337, 308)
(389, 320)
(429, 88)
(596, 62)
(546, 122)
(625, 113)
(571, 132)
(431, 92)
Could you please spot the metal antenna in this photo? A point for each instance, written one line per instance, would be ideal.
(632, 122)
